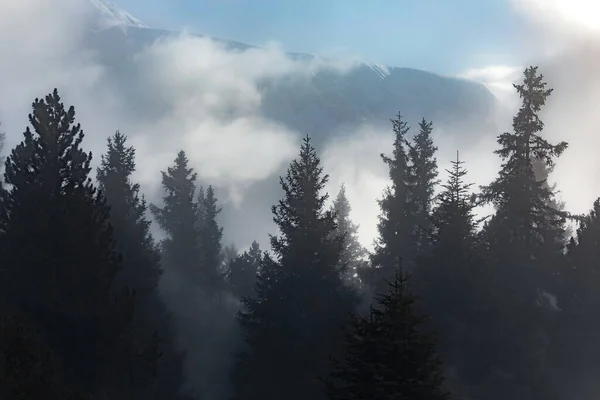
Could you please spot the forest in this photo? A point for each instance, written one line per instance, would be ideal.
(448, 305)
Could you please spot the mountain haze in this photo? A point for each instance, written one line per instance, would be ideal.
(328, 99)
(333, 101)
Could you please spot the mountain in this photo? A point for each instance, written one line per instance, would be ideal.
(328, 106)
(331, 103)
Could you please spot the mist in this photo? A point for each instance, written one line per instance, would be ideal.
(209, 98)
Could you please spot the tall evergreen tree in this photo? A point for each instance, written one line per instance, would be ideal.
(141, 258)
(242, 272)
(523, 245)
(230, 253)
(396, 227)
(576, 349)
(388, 354)
(449, 277)
(423, 172)
(178, 218)
(209, 236)
(58, 257)
(353, 253)
(295, 318)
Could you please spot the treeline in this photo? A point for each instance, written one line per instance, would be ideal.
(446, 306)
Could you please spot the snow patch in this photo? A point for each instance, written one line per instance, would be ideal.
(381, 70)
(111, 16)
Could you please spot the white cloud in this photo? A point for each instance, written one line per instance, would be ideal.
(564, 40)
(211, 94)
(573, 16)
(498, 79)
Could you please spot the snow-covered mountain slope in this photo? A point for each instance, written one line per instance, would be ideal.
(109, 15)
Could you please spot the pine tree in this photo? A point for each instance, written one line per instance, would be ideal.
(388, 354)
(141, 258)
(423, 172)
(209, 236)
(178, 218)
(523, 246)
(577, 349)
(58, 258)
(521, 201)
(230, 252)
(453, 219)
(242, 272)
(448, 278)
(353, 253)
(396, 227)
(300, 302)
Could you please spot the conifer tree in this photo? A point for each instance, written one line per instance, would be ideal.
(178, 218)
(295, 317)
(578, 349)
(448, 278)
(141, 259)
(423, 172)
(521, 201)
(58, 256)
(396, 227)
(209, 237)
(242, 272)
(523, 246)
(453, 219)
(353, 253)
(230, 253)
(388, 354)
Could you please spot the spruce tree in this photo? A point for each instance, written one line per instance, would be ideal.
(230, 252)
(397, 240)
(423, 172)
(577, 349)
(388, 355)
(521, 201)
(209, 237)
(58, 256)
(353, 253)
(242, 272)
(141, 258)
(296, 315)
(522, 246)
(178, 218)
(449, 277)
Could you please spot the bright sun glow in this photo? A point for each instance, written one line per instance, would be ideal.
(582, 13)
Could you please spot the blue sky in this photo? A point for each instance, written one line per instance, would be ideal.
(445, 36)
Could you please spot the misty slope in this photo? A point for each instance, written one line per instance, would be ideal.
(328, 106)
(331, 102)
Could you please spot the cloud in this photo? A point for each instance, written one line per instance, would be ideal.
(210, 94)
(498, 79)
(567, 16)
(564, 40)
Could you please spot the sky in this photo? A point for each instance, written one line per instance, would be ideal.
(444, 36)
(210, 97)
